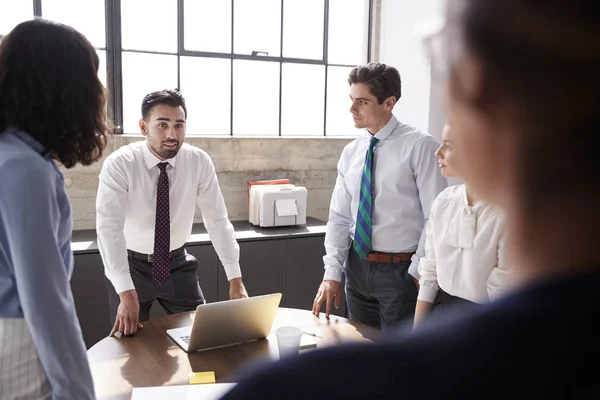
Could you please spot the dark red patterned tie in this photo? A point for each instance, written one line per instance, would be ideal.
(161, 264)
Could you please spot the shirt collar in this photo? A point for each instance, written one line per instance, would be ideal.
(30, 141)
(475, 206)
(387, 130)
(151, 160)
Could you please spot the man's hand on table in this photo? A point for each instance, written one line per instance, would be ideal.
(237, 289)
(127, 321)
(330, 292)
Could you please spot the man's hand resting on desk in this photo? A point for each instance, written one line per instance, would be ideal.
(330, 291)
(127, 321)
(237, 289)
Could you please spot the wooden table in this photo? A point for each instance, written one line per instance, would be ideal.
(151, 358)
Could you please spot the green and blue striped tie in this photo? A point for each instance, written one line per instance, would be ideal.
(362, 234)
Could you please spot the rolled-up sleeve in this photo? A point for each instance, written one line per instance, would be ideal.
(498, 282)
(428, 283)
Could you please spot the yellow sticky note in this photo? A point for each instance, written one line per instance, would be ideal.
(202, 377)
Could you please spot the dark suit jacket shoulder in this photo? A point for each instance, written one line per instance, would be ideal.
(542, 342)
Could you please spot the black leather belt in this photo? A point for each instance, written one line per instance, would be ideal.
(148, 257)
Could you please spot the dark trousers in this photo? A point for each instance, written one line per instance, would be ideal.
(445, 305)
(379, 295)
(180, 292)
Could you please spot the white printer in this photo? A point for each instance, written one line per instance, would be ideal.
(277, 205)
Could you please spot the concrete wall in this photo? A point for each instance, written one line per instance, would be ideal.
(306, 162)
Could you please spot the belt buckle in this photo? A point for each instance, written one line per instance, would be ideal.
(150, 258)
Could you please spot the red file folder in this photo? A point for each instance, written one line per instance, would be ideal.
(270, 182)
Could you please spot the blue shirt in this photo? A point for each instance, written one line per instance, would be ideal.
(36, 262)
(406, 181)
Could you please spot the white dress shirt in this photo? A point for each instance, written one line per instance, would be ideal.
(126, 207)
(406, 180)
(464, 250)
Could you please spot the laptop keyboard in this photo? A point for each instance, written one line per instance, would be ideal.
(186, 339)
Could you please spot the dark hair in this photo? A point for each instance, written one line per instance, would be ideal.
(171, 98)
(543, 58)
(382, 80)
(49, 88)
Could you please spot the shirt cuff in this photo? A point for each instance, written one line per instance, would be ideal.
(232, 271)
(427, 294)
(333, 274)
(122, 283)
(413, 269)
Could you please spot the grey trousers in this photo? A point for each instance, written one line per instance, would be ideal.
(180, 292)
(379, 295)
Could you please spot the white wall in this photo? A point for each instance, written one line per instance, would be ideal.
(401, 47)
(421, 103)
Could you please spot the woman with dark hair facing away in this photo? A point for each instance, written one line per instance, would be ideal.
(52, 110)
(522, 97)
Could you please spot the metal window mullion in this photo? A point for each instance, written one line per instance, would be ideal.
(325, 59)
(342, 65)
(369, 30)
(180, 38)
(207, 54)
(280, 66)
(114, 63)
(179, 72)
(325, 103)
(160, 53)
(231, 69)
(37, 8)
(326, 32)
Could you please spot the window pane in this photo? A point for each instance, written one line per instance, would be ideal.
(348, 22)
(143, 74)
(208, 25)
(255, 98)
(257, 26)
(298, 41)
(302, 99)
(149, 25)
(339, 119)
(102, 68)
(85, 16)
(13, 13)
(206, 86)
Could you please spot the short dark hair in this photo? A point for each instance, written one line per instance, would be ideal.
(171, 98)
(382, 80)
(49, 88)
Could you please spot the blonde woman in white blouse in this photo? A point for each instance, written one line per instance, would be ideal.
(464, 261)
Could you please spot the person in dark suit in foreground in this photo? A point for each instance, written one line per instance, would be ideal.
(522, 89)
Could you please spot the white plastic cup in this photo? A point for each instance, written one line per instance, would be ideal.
(288, 340)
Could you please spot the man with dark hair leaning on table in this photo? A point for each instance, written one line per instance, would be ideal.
(145, 207)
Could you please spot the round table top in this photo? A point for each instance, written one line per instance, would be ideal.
(151, 358)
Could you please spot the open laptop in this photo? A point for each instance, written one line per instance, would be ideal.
(228, 322)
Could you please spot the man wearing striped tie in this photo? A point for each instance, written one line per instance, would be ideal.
(387, 180)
